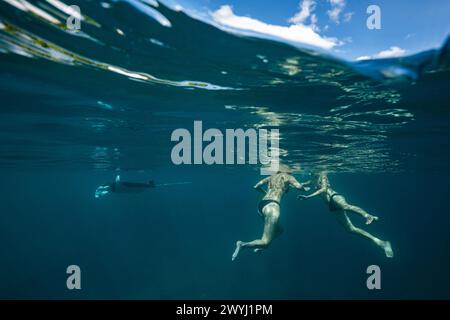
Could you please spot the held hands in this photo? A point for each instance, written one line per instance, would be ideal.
(304, 186)
(302, 197)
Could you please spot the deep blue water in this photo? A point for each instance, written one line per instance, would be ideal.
(77, 109)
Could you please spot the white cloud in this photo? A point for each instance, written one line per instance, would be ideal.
(178, 8)
(334, 14)
(347, 40)
(337, 3)
(392, 52)
(348, 16)
(363, 58)
(298, 33)
(306, 8)
(313, 24)
(337, 6)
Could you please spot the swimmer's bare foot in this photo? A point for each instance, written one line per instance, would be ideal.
(257, 250)
(236, 251)
(370, 219)
(388, 249)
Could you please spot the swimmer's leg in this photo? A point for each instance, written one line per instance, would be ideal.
(369, 218)
(262, 243)
(278, 232)
(344, 220)
(271, 212)
(340, 200)
(236, 251)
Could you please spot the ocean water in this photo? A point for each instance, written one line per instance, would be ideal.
(79, 108)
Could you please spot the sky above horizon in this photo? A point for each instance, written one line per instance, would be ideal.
(335, 26)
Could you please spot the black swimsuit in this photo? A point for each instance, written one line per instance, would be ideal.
(333, 206)
(264, 203)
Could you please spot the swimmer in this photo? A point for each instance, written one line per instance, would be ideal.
(269, 207)
(339, 206)
(118, 186)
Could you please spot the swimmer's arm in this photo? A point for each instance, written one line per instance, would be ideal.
(258, 186)
(300, 186)
(314, 194)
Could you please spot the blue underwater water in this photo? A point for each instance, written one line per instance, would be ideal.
(77, 109)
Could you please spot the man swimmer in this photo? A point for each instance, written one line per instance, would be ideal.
(269, 207)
